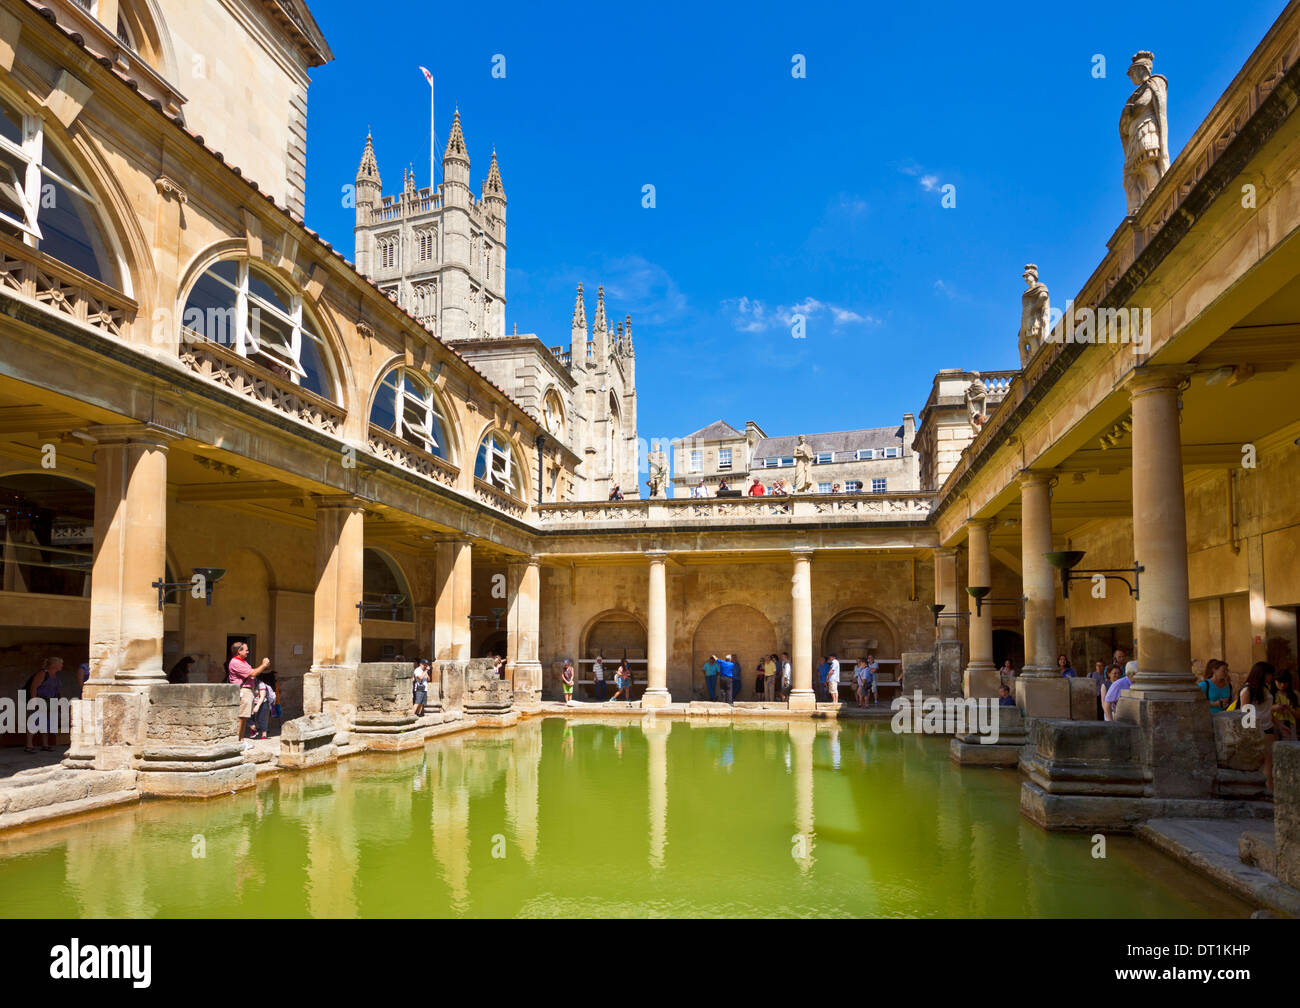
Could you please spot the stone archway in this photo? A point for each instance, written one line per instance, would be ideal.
(855, 633)
(739, 629)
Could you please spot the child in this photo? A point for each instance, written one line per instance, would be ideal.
(263, 698)
(566, 677)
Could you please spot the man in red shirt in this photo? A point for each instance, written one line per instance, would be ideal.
(243, 675)
(757, 489)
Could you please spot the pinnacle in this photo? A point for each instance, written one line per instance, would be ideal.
(369, 166)
(579, 311)
(600, 324)
(492, 185)
(456, 142)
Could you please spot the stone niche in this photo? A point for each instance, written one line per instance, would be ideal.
(488, 698)
(385, 714)
(191, 747)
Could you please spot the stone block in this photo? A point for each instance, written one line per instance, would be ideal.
(1177, 745)
(1286, 810)
(312, 697)
(980, 682)
(1235, 746)
(1257, 848)
(1043, 698)
(920, 672)
(308, 741)
(1083, 700)
(197, 783)
(948, 668)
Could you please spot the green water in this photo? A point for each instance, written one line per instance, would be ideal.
(554, 818)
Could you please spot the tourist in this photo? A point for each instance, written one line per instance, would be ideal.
(823, 670)
(722, 488)
(84, 669)
(499, 666)
(710, 670)
(730, 678)
(760, 678)
(835, 488)
(779, 489)
(622, 683)
(1285, 705)
(180, 672)
(1120, 657)
(242, 674)
(1216, 685)
(1257, 694)
(617, 493)
(1005, 699)
(1119, 683)
(786, 673)
(44, 685)
(420, 687)
(756, 489)
(567, 679)
(1063, 666)
(833, 680)
(263, 698)
(873, 673)
(1102, 681)
(1007, 673)
(771, 687)
(598, 674)
(860, 681)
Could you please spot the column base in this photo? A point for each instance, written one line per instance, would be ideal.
(1042, 697)
(802, 700)
(653, 699)
(980, 680)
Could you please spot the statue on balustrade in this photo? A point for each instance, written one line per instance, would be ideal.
(803, 460)
(976, 401)
(1144, 131)
(1035, 315)
(658, 463)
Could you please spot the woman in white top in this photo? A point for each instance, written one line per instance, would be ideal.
(1257, 693)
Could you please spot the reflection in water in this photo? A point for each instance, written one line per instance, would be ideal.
(620, 818)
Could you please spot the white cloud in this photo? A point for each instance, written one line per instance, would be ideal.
(645, 290)
(929, 182)
(942, 288)
(752, 315)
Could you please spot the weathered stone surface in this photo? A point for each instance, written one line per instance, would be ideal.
(308, 741)
(920, 672)
(197, 784)
(1237, 747)
(385, 717)
(1084, 757)
(1286, 810)
(1257, 848)
(1176, 745)
(1043, 698)
(1083, 699)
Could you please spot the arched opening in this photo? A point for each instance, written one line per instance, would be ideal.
(739, 630)
(388, 623)
(406, 405)
(615, 440)
(242, 305)
(497, 465)
(857, 632)
(615, 636)
(1008, 644)
(553, 415)
(44, 205)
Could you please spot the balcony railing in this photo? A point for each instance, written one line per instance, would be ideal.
(694, 511)
(494, 498)
(385, 445)
(225, 367)
(35, 276)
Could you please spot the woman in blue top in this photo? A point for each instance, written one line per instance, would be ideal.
(1063, 664)
(1216, 685)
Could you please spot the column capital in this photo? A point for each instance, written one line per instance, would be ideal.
(326, 502)
(979, 523)
(134, 433)
(1154, 377)
(1037, 477)
(524, 561)
(946, 551)
(656, 555)
(803, 553)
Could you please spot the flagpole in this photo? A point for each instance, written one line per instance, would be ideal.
(433, 143)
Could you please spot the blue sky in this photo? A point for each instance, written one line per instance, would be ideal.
(775, 194)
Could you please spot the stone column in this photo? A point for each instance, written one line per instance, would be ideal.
(126, 622)
(1039, 577)
(452, 575)
(945, 592)
(802, 696)
(981, 678)
(1163, 620)
(522, 618)
(656, 692)
(336, 633)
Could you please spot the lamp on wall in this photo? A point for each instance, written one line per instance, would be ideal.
(1067, 560)
(205, 579)
(496, 611)
(937, 608)
(980, 594)
(391, 603)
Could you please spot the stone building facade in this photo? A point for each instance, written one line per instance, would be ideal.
(441, 254)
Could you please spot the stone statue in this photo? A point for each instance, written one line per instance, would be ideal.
(976, 399)
(803, 460)
(1144, 131)
(658, 463)
(1035, 315)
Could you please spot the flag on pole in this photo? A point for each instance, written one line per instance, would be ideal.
(433, 134)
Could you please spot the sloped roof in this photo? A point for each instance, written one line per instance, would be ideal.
(719, 430)
(832, 441)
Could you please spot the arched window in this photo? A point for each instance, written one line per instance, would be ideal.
(388, 252)
(47, 529)
(553, 414)
(496, 463)
(41, 202)
(381, 584)
(240, 305)
(615, 437)
(425, 239)
(426, 300)
(405, 404)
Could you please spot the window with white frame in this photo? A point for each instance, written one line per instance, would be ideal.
(891, 453)
(697, 461)
(41, 203)
(853, 486)
(866, 454)
(495, 463)
(724, 459)
(241, 306)
(824, 487)
(824, 457)
(406, 406)
(878, 486)
(771, 463)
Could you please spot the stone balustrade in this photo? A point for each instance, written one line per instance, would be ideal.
(687, 511)
(401, 453)
(494, 498)
(38, 278)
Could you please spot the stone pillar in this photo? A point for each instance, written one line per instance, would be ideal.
(980, 678)
(522, 618)
(126, 622)
(802, 696)
(945, 592)
(1040, 690)
(1162, 621)
(452, 586)
(656, 692)
(336, 633)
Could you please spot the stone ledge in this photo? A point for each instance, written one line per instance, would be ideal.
(1123, 814)
(64, 810)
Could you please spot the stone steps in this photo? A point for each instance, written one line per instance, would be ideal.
(52, 792)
